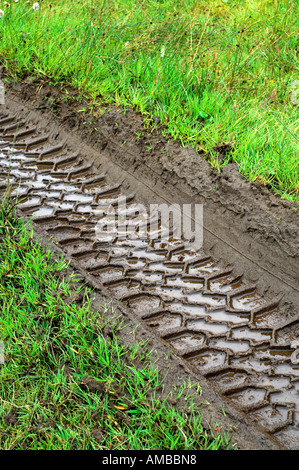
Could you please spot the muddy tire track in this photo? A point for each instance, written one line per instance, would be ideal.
(214, 320)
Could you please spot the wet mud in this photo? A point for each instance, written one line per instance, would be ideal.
(239, 336)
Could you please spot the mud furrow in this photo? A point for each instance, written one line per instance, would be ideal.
(215, 321)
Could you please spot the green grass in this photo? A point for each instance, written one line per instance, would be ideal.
(214, 71)
(67, 381)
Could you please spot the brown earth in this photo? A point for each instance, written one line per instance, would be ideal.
(246, 227)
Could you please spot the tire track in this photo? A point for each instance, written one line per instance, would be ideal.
(215, 321)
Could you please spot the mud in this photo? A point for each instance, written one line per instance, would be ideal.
(257, 230)
(231, 318)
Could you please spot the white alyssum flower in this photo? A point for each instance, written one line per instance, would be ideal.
(1, 13)
(35, 6)
(162, 52)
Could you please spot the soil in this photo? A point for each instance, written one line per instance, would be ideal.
(256, 231)
(246, 228)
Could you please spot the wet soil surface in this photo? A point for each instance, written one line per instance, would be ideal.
(238, 329)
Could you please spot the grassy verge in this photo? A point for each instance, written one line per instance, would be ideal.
(217, 74)
(67, 381)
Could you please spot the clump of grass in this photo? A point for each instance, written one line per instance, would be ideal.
(67, 381)
(214, 72)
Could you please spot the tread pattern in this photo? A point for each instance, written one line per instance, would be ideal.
(213, 320)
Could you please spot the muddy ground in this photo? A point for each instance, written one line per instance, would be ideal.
(246, 227)
(256, 231)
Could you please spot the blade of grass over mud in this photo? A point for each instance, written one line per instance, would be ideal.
(67, 381)
(213, 72)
